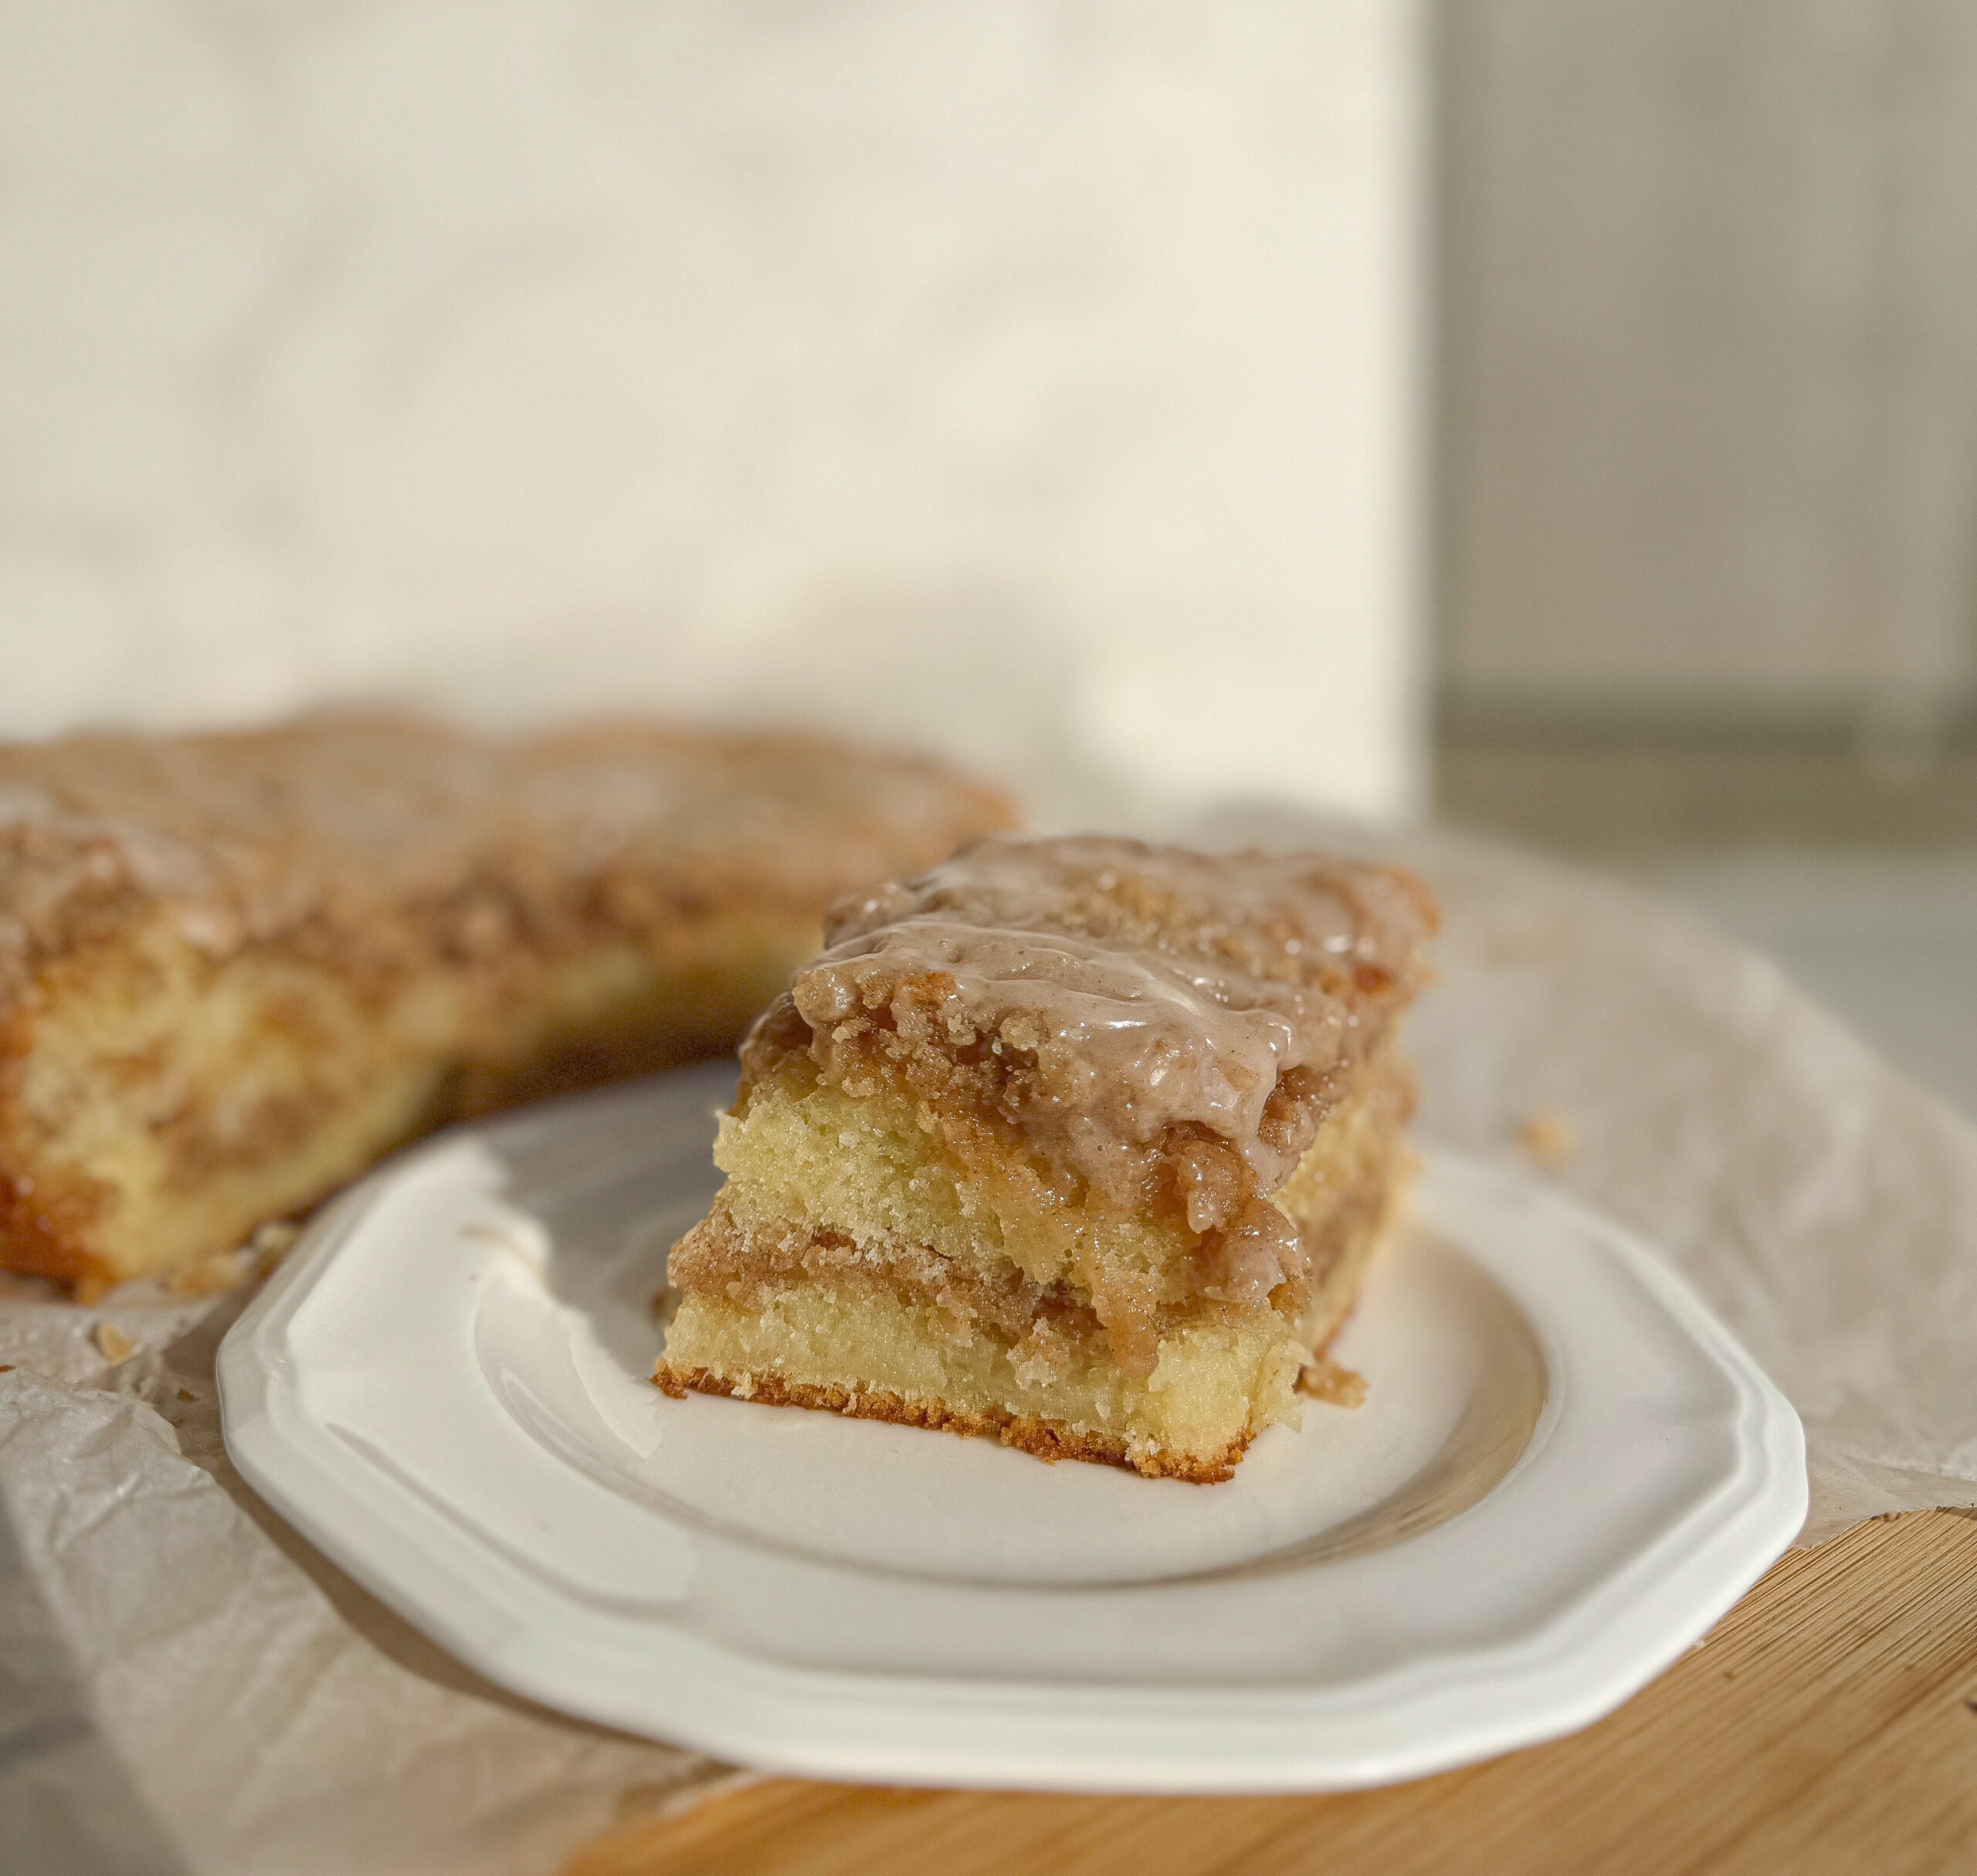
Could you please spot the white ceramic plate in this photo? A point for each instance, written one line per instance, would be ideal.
(1564, 1471)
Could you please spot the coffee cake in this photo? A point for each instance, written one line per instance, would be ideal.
(234, 968)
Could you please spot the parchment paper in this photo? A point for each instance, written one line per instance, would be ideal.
(184, 1686)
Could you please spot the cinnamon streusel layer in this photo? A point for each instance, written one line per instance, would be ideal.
(234, 968)
(1083, 1144)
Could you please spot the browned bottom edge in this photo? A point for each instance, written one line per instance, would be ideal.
(1023, 1431)
(46, 1234)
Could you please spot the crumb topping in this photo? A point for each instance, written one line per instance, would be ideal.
(378, 842)
(1114, 992)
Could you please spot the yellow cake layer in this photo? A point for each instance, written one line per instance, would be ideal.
(1216, 1383)
(850, 1262)
(165, 1104)
(806, 1152)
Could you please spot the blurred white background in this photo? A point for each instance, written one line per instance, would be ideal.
(1031, 378)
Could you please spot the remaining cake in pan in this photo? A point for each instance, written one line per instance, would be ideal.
(1083, 1144)
(234, 968)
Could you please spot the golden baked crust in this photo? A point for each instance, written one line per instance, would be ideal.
(234, 967)
(1041, 1439)
(1080, 1134)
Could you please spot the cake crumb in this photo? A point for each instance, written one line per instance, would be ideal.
(1548, 1137)
(1324, 1379)
(113, 1343)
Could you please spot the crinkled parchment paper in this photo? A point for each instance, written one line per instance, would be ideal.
(184, 1686)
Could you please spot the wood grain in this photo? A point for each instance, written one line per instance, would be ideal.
(1829, 1724)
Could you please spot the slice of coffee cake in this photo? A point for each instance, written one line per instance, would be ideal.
(1082, 1143)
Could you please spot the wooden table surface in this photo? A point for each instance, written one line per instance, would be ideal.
(1828, 1723)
